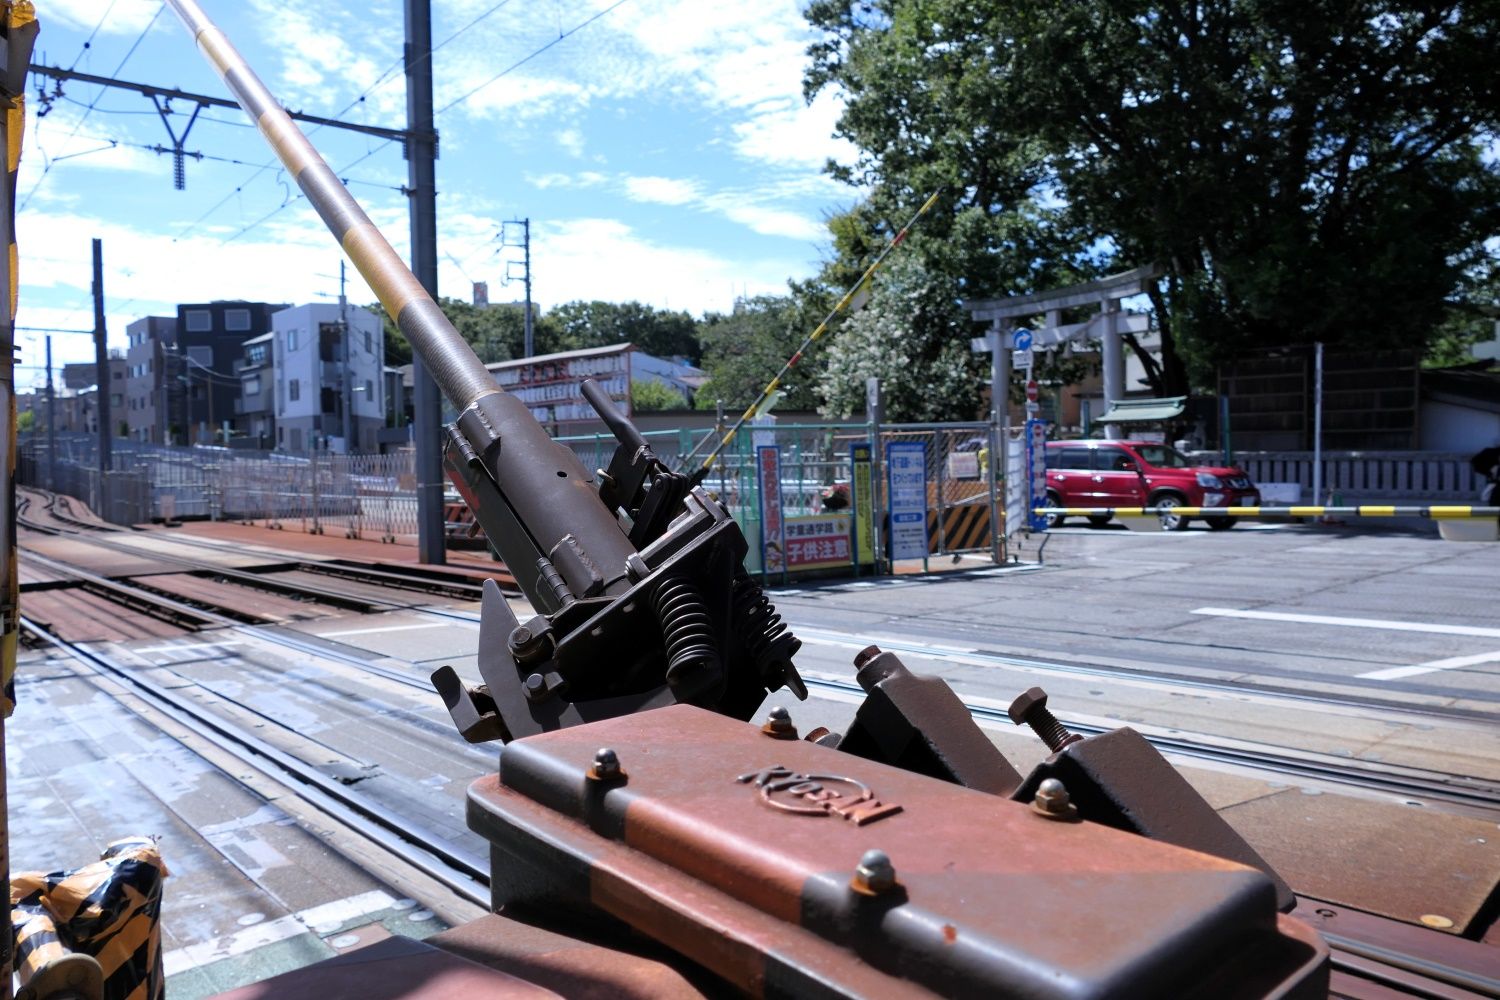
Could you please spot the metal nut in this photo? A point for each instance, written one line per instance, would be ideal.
(779, 724)
(1052, 801)
(866, 655)
(875, 873)
(606, 766)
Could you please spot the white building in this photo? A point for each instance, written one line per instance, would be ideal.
(321, 399)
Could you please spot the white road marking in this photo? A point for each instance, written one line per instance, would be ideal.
(1395, 626)
(1453, 662)
(283, 928)
(383, 628)
(187, 647)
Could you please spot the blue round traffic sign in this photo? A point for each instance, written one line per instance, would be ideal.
(1022, 340)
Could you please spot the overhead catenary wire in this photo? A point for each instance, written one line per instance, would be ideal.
(822, 328)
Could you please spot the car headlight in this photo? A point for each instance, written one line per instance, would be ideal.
(1210, 480)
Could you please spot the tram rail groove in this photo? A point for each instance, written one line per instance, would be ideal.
(434, 856)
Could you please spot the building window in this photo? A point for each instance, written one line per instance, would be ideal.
(251, 386)
(256, 355)
(237, 320)
(198, 320)
(367, 342)
(370, 391)
(294, 390)
(200, 356)
(291, 340)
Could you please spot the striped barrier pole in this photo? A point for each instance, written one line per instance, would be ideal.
(1433, 511)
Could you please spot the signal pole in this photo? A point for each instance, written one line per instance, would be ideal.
(525, 224)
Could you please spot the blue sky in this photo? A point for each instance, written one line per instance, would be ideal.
(663, 153)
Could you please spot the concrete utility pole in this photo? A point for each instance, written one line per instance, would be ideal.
(51, 422)
(101, 361)
(525, 224)
(348, 380)
(421, 172)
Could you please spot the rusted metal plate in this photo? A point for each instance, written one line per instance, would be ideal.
(741, 850)
(78, 616)
(94, 558)
(396, 968)
(1404, 862)
(575, 968)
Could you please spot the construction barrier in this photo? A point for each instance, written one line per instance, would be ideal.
(964, 526)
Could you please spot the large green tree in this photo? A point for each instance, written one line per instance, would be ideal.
(745, 347)
(496, 333)
(659, 332)
(1302, 169)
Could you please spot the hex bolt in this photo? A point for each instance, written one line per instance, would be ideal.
(636, 567)
(875, 873)
(606, 765)
(1052, 800)
(866, 655)
(1031, 709)
(779, 724)
(535, 687)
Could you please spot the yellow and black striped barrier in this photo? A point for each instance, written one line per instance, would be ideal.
(1434, 511)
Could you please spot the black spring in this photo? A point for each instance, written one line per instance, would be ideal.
(768, 640)
(688, 632)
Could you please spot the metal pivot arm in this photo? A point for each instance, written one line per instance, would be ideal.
(641, 599)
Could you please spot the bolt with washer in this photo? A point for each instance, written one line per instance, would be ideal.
(875, 873)
(606, 766)
(1052, 801)
(779, 724)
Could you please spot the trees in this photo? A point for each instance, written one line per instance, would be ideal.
(913, 337)
(744, 348)
(1304, 171)
(659, 332)
(648, 396)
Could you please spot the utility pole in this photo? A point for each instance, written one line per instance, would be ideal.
(51, 423)
(101, 361)
(421, 156)
(348, 379)
(525, 224)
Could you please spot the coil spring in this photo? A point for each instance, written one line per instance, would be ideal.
(768, 640)
(687, 631)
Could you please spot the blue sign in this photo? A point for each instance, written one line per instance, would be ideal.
(906, 492)
(1021, 340)
(1036, 471)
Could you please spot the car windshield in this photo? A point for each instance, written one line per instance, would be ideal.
(1163, 456)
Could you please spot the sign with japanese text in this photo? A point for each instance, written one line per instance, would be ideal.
(1036, 470)
(862, 499)
(772, 540)
(906, 494)
(818, 541)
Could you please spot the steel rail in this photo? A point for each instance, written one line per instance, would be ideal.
(1408, 782)
(433, 855)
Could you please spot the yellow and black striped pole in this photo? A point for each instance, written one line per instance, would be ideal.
(822, 328)
(1437, 512)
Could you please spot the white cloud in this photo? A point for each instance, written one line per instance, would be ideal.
(606, 259)
(571, 140)
(125, 16)
(662, 190)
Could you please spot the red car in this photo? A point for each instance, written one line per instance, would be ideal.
(1141, 474)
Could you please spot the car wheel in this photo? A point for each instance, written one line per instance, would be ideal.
(1054, 520)
(1099, 520)
(1169, 521)
(1220, 523)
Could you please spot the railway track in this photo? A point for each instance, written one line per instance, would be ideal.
(428, 852)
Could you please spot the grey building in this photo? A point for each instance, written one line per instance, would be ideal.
(330, 393)
(147, 390)
(210, 339)
(255, 410)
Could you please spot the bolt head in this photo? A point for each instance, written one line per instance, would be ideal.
(606, 762)
(866, 655)
(875, 872)
(520, 636)
(1030, 701)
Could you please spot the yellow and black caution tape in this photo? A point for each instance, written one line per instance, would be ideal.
(1435, 511)
(860, 287)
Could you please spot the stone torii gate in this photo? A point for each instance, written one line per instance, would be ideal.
(1108, 327)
